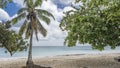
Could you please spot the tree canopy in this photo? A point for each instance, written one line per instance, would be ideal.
(96, 22)
(4, 2)
(11, 41)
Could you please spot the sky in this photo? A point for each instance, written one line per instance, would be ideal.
(55, 37)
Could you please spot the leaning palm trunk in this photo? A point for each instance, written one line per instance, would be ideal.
(30, 63)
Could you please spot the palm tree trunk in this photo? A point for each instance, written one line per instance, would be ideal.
(30, 63)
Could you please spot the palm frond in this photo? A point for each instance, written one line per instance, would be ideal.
(40, 11)
(25, 1)
(18, 18)
(34, 25)
(28, 31)
(22, 10)
(29, 3)
(22, 28)
(44, 18)
(42, 30)
(37, 3)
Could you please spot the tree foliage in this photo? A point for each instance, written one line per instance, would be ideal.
(4, 2)
(11, 41)
(96, 22)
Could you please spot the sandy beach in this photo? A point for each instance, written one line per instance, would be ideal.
(67, 61)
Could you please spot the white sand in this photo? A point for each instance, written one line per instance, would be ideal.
(67, 61)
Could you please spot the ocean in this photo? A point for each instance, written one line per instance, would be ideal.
(43, 51)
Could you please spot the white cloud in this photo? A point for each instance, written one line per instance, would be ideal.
(0, 21)
(67, 2)
(4, 15)
(49, 43)
(19, 2)
(70, 2)
(63, 2)
(15, 29)
(55, 34)
(51, 7)
(68, 8)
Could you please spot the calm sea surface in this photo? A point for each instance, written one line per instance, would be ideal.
(42, 51)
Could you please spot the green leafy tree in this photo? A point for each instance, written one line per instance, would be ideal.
(11, 41)
(32, 23)
(96, 22)
(4, 2)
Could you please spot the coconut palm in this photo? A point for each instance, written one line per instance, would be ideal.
(32, 23)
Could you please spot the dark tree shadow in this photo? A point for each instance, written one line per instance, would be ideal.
(36, 66)
(117, 59)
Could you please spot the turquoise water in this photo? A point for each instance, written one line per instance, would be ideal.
(42, 51)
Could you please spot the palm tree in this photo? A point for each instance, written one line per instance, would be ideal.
(32, 23)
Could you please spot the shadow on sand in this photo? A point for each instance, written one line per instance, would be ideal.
(36, 66)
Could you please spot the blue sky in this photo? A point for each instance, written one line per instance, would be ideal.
(54, 34)
(12, 8)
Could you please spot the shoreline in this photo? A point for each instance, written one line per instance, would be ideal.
(67, 61)
(66, 55)
(59, 55)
